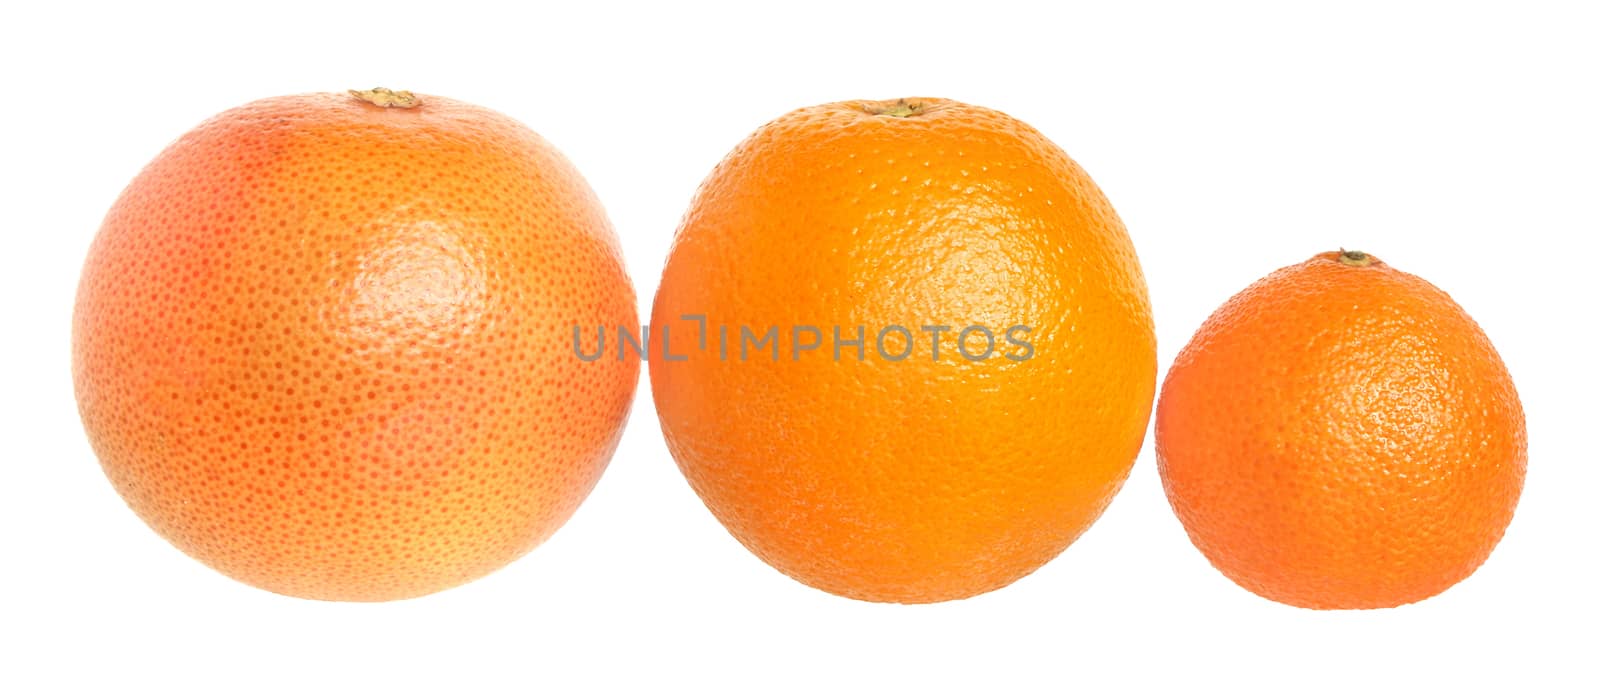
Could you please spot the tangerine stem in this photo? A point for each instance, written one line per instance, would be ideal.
(1355, 259)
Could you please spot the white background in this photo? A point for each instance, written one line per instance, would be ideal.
(1457, 143)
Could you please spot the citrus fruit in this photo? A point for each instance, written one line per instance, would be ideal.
(984, 359)
(322, 343)
(1342, 435)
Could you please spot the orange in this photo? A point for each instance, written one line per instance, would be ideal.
(924, 478)
(1342, 435)
(322, 343)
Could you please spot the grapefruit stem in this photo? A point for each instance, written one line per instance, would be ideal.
(384, 97)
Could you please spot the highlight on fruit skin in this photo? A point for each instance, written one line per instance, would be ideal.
(1342, 435)
(321, 343)
(919, 479)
